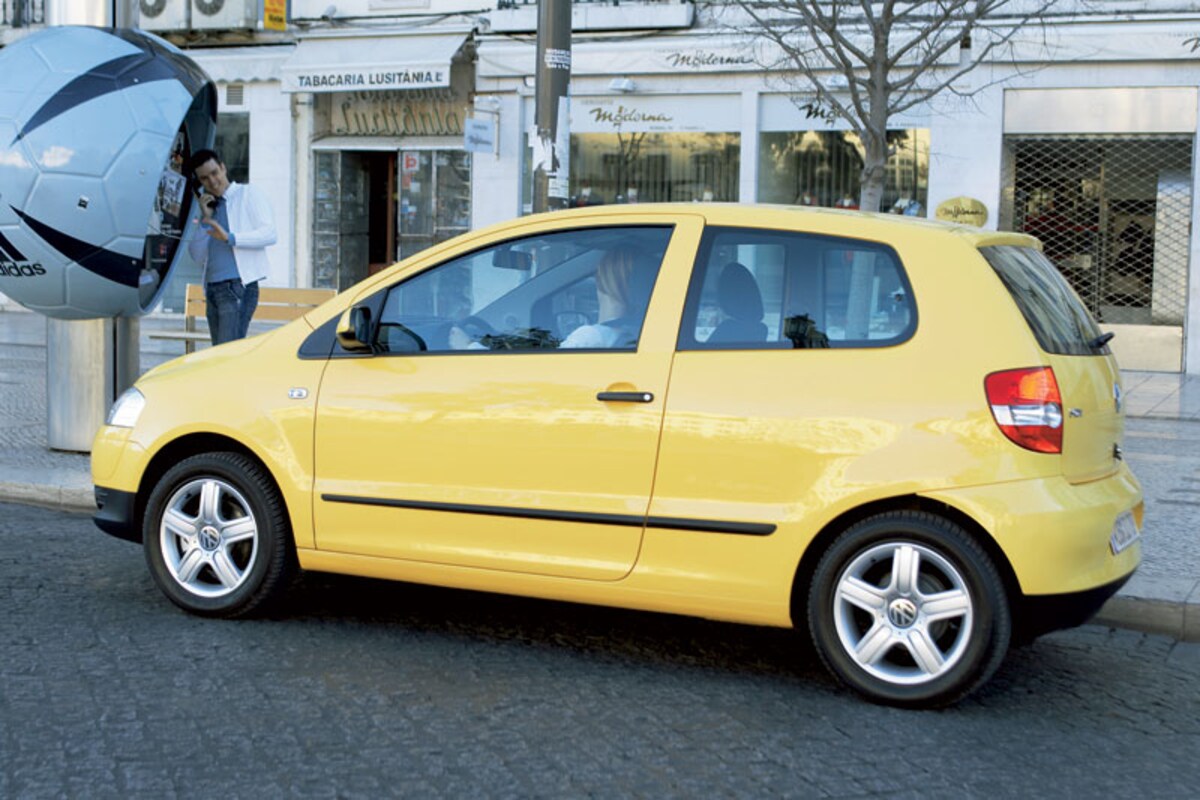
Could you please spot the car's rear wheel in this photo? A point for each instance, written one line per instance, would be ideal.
(908, 609)
(216, 536)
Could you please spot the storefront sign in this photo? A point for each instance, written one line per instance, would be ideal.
(965, 210)
(675, 55)
(621, 116)
(715, 113)
(700, 60)
(364, 79)
(367, 113)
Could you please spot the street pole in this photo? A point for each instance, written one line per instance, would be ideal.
(552, 142)
(89, 362)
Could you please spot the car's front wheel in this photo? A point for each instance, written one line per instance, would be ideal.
(908, 609)
(216, 536)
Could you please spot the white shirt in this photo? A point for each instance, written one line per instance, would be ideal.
(593, 336)
(252, 225)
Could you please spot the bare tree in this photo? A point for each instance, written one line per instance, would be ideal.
(866, 62)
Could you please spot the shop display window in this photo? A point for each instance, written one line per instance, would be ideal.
(824, 168)
(643, 167)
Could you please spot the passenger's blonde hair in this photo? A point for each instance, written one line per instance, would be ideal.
(614, 273)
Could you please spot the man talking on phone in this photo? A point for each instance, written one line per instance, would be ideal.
(238, 226)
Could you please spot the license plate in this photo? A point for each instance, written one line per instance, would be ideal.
(1125, 533)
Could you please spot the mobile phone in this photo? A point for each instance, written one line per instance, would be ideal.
(198, 190)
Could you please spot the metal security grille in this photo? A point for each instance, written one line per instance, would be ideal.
(1112, 213)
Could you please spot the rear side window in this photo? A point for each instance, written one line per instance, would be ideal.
(756, 289)
(1055, 314)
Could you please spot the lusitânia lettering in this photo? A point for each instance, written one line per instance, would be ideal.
(351, 80)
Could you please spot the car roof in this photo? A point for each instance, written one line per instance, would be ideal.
(815, 219)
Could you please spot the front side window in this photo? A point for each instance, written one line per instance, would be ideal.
(755, 289)
(568, 290)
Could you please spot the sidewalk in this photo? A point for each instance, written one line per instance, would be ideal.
(1162, 444)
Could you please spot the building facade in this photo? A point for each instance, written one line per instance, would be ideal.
(358, 120)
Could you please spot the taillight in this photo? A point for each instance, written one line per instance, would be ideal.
(1027, 407)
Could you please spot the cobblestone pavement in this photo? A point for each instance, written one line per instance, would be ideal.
(370, 689)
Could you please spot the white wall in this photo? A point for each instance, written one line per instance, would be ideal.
(496, 181)
(272, 167)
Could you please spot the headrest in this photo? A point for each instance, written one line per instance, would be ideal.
(738, 294)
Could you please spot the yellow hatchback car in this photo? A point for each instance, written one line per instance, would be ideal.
(902, 435)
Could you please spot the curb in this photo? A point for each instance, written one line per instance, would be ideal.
(59, 498)
(1167, 606)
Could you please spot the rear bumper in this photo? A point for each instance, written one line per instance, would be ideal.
(1039, 614)
(116, 513)
(1055, 534)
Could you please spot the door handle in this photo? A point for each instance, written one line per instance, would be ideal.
(625, 397)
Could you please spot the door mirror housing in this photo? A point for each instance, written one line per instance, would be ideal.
(354, 329)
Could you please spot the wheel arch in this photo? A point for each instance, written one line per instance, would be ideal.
(185, 447)
(825, 537)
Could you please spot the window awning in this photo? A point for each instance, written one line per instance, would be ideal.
(242, 64)
(359, 63)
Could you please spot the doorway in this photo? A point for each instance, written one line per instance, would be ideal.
(354, 216)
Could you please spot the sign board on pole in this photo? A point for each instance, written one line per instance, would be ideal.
(479, 135)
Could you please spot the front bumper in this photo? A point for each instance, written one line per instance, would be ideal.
(116, 514)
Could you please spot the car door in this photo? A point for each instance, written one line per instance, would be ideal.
(470, 437)
(781, 380)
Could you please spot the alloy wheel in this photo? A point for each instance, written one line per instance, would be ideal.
(903, 612)
(209, 537)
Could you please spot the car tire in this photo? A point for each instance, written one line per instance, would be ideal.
(907, 609)
(216, 536)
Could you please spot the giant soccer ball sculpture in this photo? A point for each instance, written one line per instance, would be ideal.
(95, 127)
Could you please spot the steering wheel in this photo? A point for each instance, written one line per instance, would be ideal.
(476, 327)
(387, 328)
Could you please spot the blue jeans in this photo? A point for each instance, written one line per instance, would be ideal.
(230, 305)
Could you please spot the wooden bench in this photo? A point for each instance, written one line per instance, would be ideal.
(273, 304)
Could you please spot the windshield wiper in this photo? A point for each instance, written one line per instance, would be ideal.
(1101, 340)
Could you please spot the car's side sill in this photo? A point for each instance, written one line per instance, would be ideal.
(674, 523)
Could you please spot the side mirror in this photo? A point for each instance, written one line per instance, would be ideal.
(354, 329)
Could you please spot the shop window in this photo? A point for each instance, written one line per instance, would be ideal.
(233, 143)
(824, 168)
(649, 168)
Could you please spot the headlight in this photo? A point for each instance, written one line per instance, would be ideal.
(125, 412)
